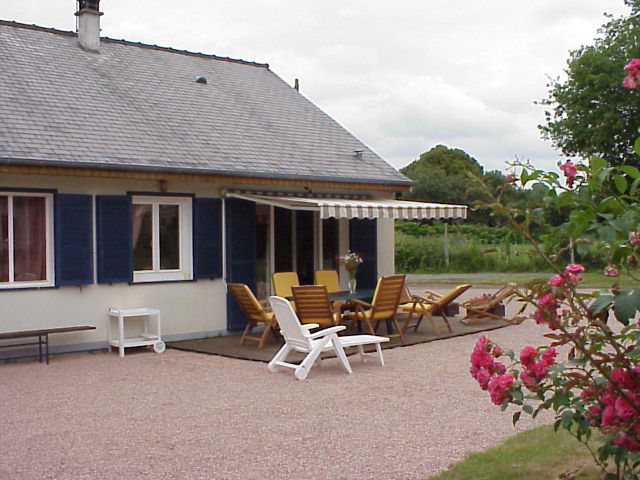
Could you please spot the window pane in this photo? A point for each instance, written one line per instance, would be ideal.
(29, 239)
(142, 233)
(330, 244)
(169, 237)
(4, 239)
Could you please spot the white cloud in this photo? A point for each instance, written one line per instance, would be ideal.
(402, 76)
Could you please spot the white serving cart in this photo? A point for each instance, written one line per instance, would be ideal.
(147, 338)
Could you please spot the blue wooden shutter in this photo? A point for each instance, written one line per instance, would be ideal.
(73, 239)
(207, 238)
(240, 220)
(363, 239)
(113, 229)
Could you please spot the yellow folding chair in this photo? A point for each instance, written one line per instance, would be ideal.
(255, 313)
(282, 283)
(431, 304)
(328, 278)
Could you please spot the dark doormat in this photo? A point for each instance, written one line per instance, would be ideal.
(229, 345)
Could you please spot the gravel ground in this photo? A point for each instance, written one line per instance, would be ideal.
(190, 416)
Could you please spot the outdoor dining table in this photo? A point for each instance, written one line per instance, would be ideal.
(366, 295)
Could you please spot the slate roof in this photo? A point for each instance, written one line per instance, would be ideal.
(138, 107)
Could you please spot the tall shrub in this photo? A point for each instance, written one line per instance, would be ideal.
(594, 386)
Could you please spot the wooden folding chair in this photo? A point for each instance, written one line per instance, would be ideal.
(384, 306)
(328, 278)
(431, 304)
(483, 308)
(255, 312)
(282, 283)
(313, 306)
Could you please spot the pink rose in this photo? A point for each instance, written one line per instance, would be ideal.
(623, 409)
(574, 268)
(547, 301)
(549, 356)
(611, 271)
(570, 171)
(483, 378)
(529, 380)
(556, 280)
(632, 80)
(540, 370)
(499, 388)
(634, 238)
(528, 355)
(627, 441)
(608, 416)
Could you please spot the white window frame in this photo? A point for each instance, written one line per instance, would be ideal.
(185, 272)
(50, 280)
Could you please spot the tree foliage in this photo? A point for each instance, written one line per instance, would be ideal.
(591, 112)
(443, 175)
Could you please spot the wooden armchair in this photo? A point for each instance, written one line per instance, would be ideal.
(313, 306)
(483, 308)
(384, 306)
(255, 312)
(431, 304)
(282, 283)
(328, 278)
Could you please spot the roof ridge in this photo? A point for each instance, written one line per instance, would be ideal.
(12, 23)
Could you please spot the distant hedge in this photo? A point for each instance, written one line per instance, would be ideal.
(481, 233)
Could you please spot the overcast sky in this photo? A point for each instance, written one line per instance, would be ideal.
(401, 75)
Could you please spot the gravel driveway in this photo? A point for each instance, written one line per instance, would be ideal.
(192, 416)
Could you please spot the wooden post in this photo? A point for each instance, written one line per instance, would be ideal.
(446, 244)
(571, 251)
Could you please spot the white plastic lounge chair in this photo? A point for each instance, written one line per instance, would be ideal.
(299, 338)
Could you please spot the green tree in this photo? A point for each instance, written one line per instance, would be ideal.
(591, 112)
(441, 175)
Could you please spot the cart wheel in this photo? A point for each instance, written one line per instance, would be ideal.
(159, 347)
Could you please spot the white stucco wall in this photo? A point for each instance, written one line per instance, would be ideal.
(386, 249)
(189, 309)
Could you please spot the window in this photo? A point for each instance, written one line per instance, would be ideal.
(26, 234)
(161, 238)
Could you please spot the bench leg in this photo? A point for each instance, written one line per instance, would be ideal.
(46, 346)
(40, 348)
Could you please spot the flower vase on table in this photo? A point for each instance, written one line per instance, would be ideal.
(351, 261)
(352, 285)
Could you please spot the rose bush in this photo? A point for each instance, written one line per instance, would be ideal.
(589, 372)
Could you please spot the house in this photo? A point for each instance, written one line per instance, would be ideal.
(135, 175)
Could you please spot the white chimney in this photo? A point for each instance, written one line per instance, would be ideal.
(88, 24)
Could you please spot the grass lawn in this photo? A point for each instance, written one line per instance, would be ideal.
(593, 280)
(536, 454)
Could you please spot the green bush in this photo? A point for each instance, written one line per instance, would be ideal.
(482, 233)
(466, 255)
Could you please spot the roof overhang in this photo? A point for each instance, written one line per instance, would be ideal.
(347, 208)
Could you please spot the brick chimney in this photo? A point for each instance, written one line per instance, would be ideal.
(88, 24)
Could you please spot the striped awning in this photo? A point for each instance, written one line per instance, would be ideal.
(346, 208)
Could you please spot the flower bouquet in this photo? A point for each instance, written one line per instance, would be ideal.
(351, 261)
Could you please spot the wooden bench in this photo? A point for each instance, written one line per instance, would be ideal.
(43, 337)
